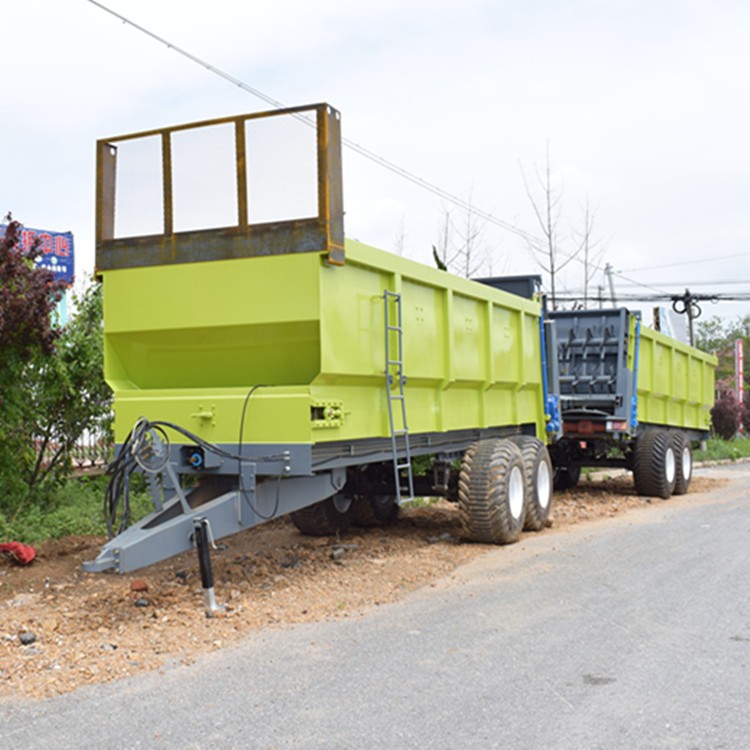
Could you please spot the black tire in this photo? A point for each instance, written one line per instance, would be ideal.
(374, 510)
(326, 518)
(683, 453)
(538, 474)
(492, 492)
(654, 464)
(565, 477)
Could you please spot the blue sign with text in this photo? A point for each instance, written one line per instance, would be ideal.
(56, 252)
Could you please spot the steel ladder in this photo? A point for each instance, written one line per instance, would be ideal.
(394, 376)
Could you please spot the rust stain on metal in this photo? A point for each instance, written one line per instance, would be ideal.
(323, 233)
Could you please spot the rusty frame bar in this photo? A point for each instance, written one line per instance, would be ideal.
(243, 208)
(166, 177)
(323, 233)
(106, 180)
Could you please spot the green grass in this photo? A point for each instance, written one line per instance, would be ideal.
(76, 509)
(721, 450)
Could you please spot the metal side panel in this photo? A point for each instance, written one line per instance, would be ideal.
(675, 383)
(298, 347)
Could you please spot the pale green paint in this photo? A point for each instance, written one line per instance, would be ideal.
(675, 382)
(185, 343)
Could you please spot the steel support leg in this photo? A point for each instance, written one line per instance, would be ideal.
(202, 542)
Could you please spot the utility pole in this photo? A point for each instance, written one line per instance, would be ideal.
(686, 304)
(608, 273)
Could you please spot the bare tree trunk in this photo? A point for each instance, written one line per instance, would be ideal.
(546, 203)
(399, 240)
(459, 249)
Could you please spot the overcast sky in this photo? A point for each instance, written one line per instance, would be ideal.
(644, 105)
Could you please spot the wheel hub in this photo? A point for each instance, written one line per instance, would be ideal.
(515, 492)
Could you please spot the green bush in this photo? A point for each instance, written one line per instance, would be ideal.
(52, 387)
(75, 508)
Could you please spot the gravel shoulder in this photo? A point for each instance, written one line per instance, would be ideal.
(91, 628)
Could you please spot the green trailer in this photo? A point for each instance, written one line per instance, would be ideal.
(269, 367)
(629, 396)
(264, 365)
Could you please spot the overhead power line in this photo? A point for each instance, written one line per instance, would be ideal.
(361, 150)
(656, 294)
(719, 282)
(712, 259)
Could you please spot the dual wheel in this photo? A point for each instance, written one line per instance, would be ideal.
(337, 513)
(505, 486)
(663, 463)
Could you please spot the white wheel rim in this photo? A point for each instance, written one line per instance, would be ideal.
(687, 462)
(342, 503)
(669, 466)
(515, 492)
(543, 486)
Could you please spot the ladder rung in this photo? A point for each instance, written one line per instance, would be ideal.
(394, 371)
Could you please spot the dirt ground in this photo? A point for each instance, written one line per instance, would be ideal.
(61, 628)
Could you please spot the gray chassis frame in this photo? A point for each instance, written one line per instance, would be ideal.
(271, 481)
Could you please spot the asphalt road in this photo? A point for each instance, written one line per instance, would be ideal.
(627, 633)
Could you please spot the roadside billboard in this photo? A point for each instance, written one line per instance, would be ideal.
(57, 250)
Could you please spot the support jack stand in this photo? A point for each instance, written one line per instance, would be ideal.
(202, 542)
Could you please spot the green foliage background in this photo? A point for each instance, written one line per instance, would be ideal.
(49, 397)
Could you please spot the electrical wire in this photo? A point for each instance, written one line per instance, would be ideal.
(658, 298)
(147, 449)
(353, 146)
(242, 489)
(385, 163)
(117, 494)
(719, 282)
(687, 263)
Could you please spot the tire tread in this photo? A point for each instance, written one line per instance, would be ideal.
(482, 492)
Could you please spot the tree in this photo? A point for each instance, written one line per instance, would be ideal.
(590, 249)
(718, 336)
(28, 296)
(459, 247)
(51, 381)
(399, 238)
(71, 396)
(553, 251)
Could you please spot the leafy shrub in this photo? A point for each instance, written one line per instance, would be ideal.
(74, 509)
(726, 415)
(51, 381)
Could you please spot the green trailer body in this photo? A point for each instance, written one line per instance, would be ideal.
(675, 385)
(269, 366)
(615, 375)
(622, 385)
(185, 343)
